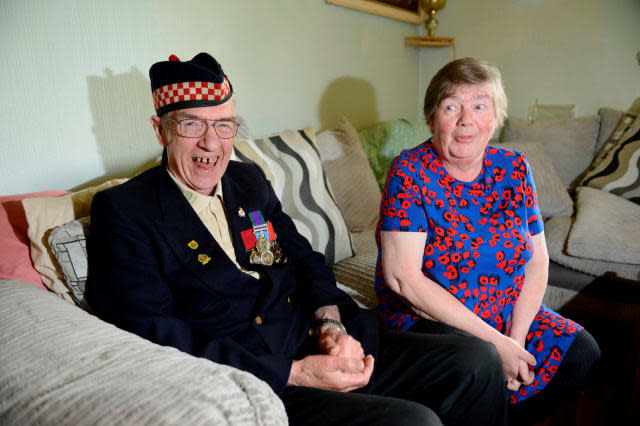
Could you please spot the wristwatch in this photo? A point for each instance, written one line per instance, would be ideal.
(332, 323)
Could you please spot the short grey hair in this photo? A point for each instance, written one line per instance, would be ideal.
(465, 71)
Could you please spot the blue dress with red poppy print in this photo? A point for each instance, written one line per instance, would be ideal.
(478, 244)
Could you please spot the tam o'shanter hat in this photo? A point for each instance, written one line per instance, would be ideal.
(195, 83)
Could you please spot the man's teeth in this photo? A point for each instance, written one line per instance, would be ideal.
(203, 160)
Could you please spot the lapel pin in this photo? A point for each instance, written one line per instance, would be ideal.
(203, 258)
(241, 212)
(193, 245)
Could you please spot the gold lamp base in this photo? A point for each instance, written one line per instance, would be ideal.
(431, 7)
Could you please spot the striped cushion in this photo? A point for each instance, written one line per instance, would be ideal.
(617, 168)
(291, 162)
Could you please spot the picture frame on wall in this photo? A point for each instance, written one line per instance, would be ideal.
(402, 10)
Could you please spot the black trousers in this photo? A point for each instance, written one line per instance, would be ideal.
(419, 379)
(576, 367)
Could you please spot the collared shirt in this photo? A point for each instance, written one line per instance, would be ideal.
(213, 214)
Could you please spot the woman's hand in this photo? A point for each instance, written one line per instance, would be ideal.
(515, 362)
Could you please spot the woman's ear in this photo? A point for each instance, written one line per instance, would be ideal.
(156, 123)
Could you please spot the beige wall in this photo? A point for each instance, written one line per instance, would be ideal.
(580, 52)
(76, 98)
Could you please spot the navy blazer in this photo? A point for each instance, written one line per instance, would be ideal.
(145, 278)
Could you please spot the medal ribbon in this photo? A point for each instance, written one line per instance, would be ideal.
(260, 227)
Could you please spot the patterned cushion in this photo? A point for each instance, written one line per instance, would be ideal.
(43, 216)
(69, 246)
(384, 141)
(616, 169)
(570, 143)
(553, 198)
(351, 177)
(291, 162)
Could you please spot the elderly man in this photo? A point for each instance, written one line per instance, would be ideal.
(197, 254)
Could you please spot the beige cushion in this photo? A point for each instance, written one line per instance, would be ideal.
(609, 119)
(570, 143)
(553, 198)
(45, 214)
(606, 227)
(357, 273)
(291, 161)
(62, 366)
(351, 177)
(556, 232)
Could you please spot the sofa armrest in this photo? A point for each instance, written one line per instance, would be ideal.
(61, 365)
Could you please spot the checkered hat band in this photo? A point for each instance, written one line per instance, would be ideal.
(190, 91)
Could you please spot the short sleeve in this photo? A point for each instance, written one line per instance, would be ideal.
(402, 208)
(534, 218)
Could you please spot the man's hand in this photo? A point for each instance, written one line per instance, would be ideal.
(331, 372)
(332, 342)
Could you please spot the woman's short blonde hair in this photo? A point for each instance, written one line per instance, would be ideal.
(465, 71)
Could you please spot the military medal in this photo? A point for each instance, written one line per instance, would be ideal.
(261, 254)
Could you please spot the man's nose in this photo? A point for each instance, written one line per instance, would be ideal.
(210, 140)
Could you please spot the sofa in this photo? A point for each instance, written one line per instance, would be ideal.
(59, 364)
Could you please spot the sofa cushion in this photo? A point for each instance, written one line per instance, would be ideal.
(609, 120)
(43, 216)
(62, 366)
(15, 262)
(357, 273)
(69, 246)
(351, 177)
(606, 227)
(553, 198)
(384, 141)
(556, 232)
(291, 161)
(615, 169)
(570, 143)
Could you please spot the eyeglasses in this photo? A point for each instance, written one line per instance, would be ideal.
(196, 127)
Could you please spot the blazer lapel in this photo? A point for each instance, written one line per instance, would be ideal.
(239, 202)
(190, 240)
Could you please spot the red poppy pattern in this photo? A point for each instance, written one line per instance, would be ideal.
(478, 244)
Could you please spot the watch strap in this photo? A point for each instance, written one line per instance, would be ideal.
(333, 323)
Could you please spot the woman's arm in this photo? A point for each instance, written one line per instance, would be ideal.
(535, 284)
(402, 263)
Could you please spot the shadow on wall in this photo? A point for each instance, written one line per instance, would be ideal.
(352, 97)
(121, 105)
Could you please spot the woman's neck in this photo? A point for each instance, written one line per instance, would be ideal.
(462, 169)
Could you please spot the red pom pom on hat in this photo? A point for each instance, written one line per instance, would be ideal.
(174, 58)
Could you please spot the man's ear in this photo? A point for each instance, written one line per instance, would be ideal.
(156, 122)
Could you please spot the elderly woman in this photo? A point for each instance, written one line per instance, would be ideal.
(461, 246)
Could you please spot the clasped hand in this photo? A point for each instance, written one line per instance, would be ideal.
(515, 362)
(343, 366)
